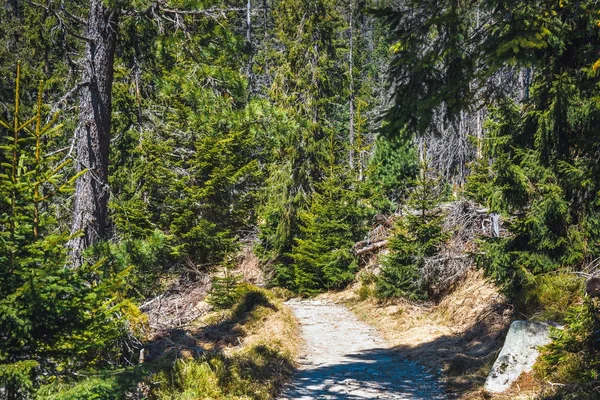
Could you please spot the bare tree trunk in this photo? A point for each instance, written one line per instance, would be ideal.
(249, 22)
(351, 88)
(249, 45)
(92, 134)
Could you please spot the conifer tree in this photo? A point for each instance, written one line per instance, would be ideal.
(393, 165)
(52, 318)
(309, 83)
(322, 254)
(194, 166)
(418, 234)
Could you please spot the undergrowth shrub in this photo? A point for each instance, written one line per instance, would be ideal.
(150, 257)
(251, 373)
(225, 291)
(100, 385)
(573, 357)
(547, 297)
(367, 286)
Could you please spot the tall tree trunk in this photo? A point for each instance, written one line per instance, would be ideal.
(249, 46)
(351, 88)
(92, 134)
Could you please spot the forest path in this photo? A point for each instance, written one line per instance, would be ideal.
(344, 358)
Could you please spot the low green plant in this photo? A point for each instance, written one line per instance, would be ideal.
(367, 285)
(365, 291)
(547, 297)
(98, 385)
(573, 357)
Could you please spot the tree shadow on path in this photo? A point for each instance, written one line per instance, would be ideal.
(463, 359)
(376, 373)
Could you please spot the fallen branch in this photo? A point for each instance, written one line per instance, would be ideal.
(372, 247)
(146, 304)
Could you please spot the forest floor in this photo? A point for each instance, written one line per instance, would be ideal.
(344, 358)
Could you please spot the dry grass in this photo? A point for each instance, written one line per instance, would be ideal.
(246, 352)
(243, 353)
(248, 266)
(527, 387)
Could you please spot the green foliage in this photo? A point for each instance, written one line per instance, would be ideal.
(573, 357)
(18, 378)
(103, 385)
(367, 285)
(322, 255)
(548, 232)
(309, 83)
(225, 290)
(394, 166)
(417, 235)
(190, 147)
(149, 257)
(547, 297)
(540, 171)
(53, 319)
(443, 52)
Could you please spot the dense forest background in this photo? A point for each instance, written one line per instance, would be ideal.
(147, 139)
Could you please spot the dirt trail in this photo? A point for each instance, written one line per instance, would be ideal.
(346, 359)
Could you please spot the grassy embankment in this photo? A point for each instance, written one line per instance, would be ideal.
(245, 352)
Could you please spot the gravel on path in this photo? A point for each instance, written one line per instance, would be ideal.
(344, 358)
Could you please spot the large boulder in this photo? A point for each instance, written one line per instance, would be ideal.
(518, 355)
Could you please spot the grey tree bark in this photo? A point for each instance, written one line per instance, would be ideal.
(92, 133)
(351, 89)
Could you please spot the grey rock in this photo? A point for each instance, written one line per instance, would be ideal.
(518, 355)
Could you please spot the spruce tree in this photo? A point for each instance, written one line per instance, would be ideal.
(53, 318)
(322, 255)
(393, 166)
(193, 164)
(309, 83)
(417, 235)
